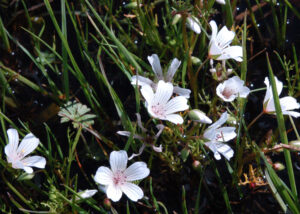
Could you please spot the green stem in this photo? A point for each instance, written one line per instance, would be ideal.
(255, 119)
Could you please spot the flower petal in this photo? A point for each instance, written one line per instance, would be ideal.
(288, 103)
(28, 169)
(182, 91)
(87, 193)
(176, 104)
(133, 191)
(225, 37)
(118, 160)
(292, 113)
(156, 67)
(163, 93)
(36, 161)
(147, 93)
(225, 134)
(174, 118)
(141, 81)
(136, 171)
(13, 141)
(28, 144)
(172, 69)
(232, 52)
(114, 192)
(218, 147)
(104, 176)
(219, 122)
(214, 30)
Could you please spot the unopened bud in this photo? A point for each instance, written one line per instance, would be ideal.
(131, 5)
(176, 19)
(231, 120)
(278, 166)
(107, 204)
(199, 116)
(295, 143)
(195, 60)
(196, 165)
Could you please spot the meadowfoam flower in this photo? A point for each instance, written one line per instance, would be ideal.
(287, 103)
(159, 104)
(156, 67)
(217, 135)
(219, 48)
(118, 179)
(193, 23)
(231, 89)
(16, 154)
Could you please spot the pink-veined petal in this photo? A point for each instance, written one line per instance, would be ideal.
(28, 144)
(114, 192)
(156, 67)
(172, 69)
(136, 171)
(176, 104)
(34, 161)
(104, 176)
(174, 118)
(133, 191)
(118, 160)
(225, 134)
(13, 142)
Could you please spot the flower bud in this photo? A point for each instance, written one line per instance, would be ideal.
(231, 120)
(199, 116)
(278, 166)
(107, 204)
(295, 143)
(176, 19)
(195, 60)
(131, 5)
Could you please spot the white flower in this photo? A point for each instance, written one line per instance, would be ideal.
(160, 105)
(217, 136)
(199, 116)
(221, 1)
(16, 154)
(287, 103)
(193, 23)
(86, 193)
(219, 48)
(156, 67)
(119, 179)
(232, 88)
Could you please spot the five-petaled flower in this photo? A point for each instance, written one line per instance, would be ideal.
(286, 103)
(232, 88)
(119, 179)
(219, 48)
(16, 154)
(156, 67)
(160, 105)
(216, 137)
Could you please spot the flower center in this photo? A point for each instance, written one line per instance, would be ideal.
(227, 92)
(119, 178)
(158, 110)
